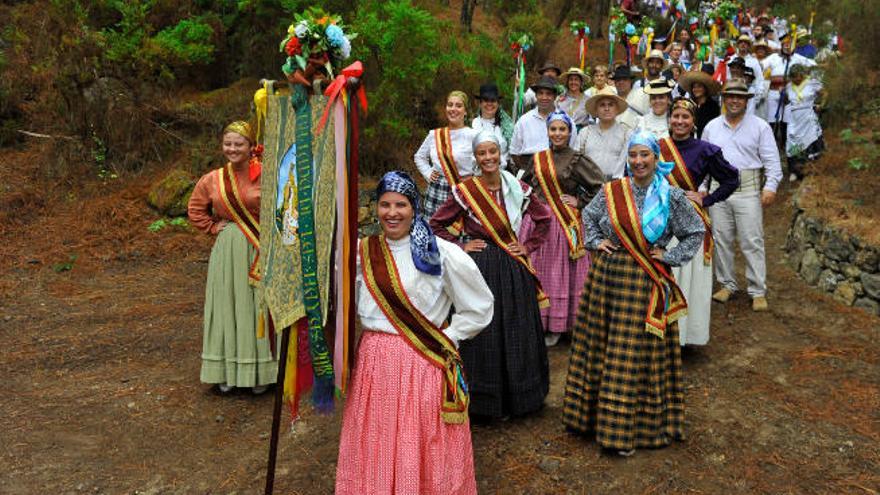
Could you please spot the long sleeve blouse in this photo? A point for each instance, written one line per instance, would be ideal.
(454, 208)
(703, 160)
(206, 210)
(460, 285)
(607, 148)
(577, 175)
(684, 224)
(462, 151)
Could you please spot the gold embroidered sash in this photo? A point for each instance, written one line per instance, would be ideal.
(667, 303)
(681, 177)
(246, 222)
(383, 281)
(494, 220)
(568, 218)
(443, 143)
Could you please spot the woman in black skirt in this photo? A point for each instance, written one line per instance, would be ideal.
(506, 364)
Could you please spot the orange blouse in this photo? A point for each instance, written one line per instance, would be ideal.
(206, 209)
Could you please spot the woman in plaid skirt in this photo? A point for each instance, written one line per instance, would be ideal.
(624, 381)
(446, 155)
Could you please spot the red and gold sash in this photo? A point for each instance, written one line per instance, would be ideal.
(568, 218)
(667, 302)
(494, 220)
(681, 177)
(383, 281)
(443, 142)
(249, 225)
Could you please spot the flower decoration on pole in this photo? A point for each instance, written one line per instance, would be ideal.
(632, 40)
(520, 43)
(315, 41)
(616, 31)
(581, 32)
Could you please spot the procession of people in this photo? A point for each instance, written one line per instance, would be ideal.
(601, 219)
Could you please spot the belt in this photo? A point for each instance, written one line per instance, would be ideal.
(749, 180)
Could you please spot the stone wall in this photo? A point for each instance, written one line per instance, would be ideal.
(834, 261)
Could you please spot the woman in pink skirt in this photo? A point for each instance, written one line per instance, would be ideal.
(405, 429)
(566, 180)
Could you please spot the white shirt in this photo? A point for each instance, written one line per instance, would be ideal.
(804, 127)
(462, 152)
(658, 125)
(460, 284)
(480, 124)
(606, 148)
(750, 145)
(530, 134)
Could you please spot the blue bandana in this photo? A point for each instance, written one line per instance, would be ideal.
(560, 115)
(423, 244)
(655, 211)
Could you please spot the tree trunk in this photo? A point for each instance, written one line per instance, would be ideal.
(564, 10)
(467, 13)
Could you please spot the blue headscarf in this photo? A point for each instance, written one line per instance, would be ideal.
(560, 115)
(655, 211)
(423, 244)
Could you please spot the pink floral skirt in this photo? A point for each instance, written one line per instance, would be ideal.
(393, 440)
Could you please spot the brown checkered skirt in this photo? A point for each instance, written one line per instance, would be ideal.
(624, 384)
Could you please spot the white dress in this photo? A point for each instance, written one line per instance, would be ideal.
(803, 128)
(658, 125)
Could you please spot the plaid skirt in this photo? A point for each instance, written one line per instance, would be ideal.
(436, 194)
(506, 364)
(624, 384)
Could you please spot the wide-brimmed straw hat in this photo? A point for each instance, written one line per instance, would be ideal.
(605, 94)
(698, 76)
(659, 86)
(549, 65)
(736, 87)
(761, 44)
(488, 91)
(744, 37)
(546, 82)
(574, 71)
(657, 54)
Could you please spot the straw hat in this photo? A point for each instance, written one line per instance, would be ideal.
(603, 94)
(659, 86)
(744, 37)
(574, 71)
(736, 87)
(690, 77)
(659, 55)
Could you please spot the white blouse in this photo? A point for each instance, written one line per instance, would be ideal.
(658, 125)
(462, 152)
(460, 284)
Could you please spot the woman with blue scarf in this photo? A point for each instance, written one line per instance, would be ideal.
(624, 383)
(405, 428)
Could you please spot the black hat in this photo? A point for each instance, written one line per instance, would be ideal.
(708, 68)
(546, 82)
(749, 72)
(737, 61)
(548, 65)
(621, 72)
(488, 91)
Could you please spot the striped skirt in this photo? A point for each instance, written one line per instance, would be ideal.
(506, 364)
(561, 277)
(624, 384)
(393, 440)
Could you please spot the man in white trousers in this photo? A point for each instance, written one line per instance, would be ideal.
(748, 144)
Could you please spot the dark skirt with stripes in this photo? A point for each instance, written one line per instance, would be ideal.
(506, 364)
(624, 384)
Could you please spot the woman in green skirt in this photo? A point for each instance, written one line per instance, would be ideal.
(226, 203)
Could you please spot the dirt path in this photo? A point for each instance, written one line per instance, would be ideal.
(101, 395)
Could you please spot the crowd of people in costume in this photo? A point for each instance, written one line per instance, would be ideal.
(604, 214)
